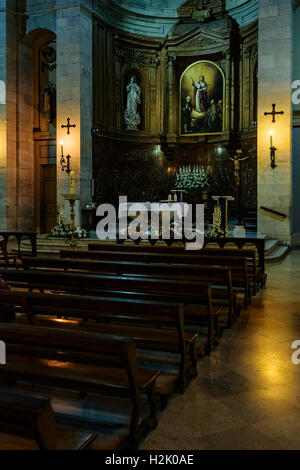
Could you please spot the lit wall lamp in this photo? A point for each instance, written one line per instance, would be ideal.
(272, 150)
(64, 161)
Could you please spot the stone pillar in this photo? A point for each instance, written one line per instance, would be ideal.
(246, 88)
(74, 29)
(171, 93)
(3, 127)
(274, 86)
(16, 144)
(8, 117)
(227, 91)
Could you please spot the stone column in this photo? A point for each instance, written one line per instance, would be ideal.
(171, 93)
(274, 86)
(16, 144)
(246, 87)
(8, 116)
(74, 29)
(3, 127)
(228, 91)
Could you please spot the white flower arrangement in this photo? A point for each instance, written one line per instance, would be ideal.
(62, 228)
(216, 231)
(192, 179)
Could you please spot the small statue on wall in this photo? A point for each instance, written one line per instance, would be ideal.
(237, 159)
(132, 116)
(48, 105)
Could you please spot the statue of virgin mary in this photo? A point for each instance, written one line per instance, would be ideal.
(132, 117)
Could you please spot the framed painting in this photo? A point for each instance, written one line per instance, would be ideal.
(202, 93)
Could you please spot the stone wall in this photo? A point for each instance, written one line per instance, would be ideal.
(18, 33)
(74, 97)
(274, 86)
(16, 153)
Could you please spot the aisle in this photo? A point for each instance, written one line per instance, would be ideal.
(247, 394)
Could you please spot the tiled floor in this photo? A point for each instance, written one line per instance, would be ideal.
(247, 394)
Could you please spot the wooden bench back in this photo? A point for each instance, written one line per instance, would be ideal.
(133, 266)
(146, 249)
(215, 257)
(117, 347)
(80, 346)
(82, 281)
(149, 312)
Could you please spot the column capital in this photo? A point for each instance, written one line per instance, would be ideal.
(171, 60)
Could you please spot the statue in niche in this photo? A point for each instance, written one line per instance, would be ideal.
(49, 58)
(48, 110)
(132, 116)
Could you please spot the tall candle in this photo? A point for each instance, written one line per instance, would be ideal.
(72, 182)
(271, 139)
(61, 147)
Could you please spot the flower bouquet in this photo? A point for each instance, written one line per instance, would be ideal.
(62, 229)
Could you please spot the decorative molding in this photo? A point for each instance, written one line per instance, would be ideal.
(201, 42)
(136, 59)
(202, 10)
(171, 59)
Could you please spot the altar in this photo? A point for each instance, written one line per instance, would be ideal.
(154, 218)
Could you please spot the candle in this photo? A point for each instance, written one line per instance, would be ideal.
(72, 182)
(62, 147)
(271, 139)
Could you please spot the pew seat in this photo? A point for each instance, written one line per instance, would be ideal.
(82, 361)
(27, 422)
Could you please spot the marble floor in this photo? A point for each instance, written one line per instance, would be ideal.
(247, 394)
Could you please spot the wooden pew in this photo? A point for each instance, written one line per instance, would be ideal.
(152, 325)
(238, 274)
(236, 262)
(184, 288)
(31, 418)
(154, 245)
(8, 260)
(250, 254)
(87, 362)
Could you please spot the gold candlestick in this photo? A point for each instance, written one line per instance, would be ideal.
(72, 199)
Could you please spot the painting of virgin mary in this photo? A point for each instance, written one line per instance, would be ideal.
(203, 81)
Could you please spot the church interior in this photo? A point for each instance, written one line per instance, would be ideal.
(111, 342)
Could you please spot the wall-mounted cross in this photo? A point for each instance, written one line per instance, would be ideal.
(273, 112)
(68, 125)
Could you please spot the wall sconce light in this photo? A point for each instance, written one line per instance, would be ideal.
(64, 161)
(272, 150)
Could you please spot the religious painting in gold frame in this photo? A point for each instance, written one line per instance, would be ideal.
(202, 96)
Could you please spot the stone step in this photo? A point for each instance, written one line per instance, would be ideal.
(47, 245)
(270, 245)
(277, 254)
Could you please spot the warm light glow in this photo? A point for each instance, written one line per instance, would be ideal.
(61, 320)
(271, 132)
(61, 142)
